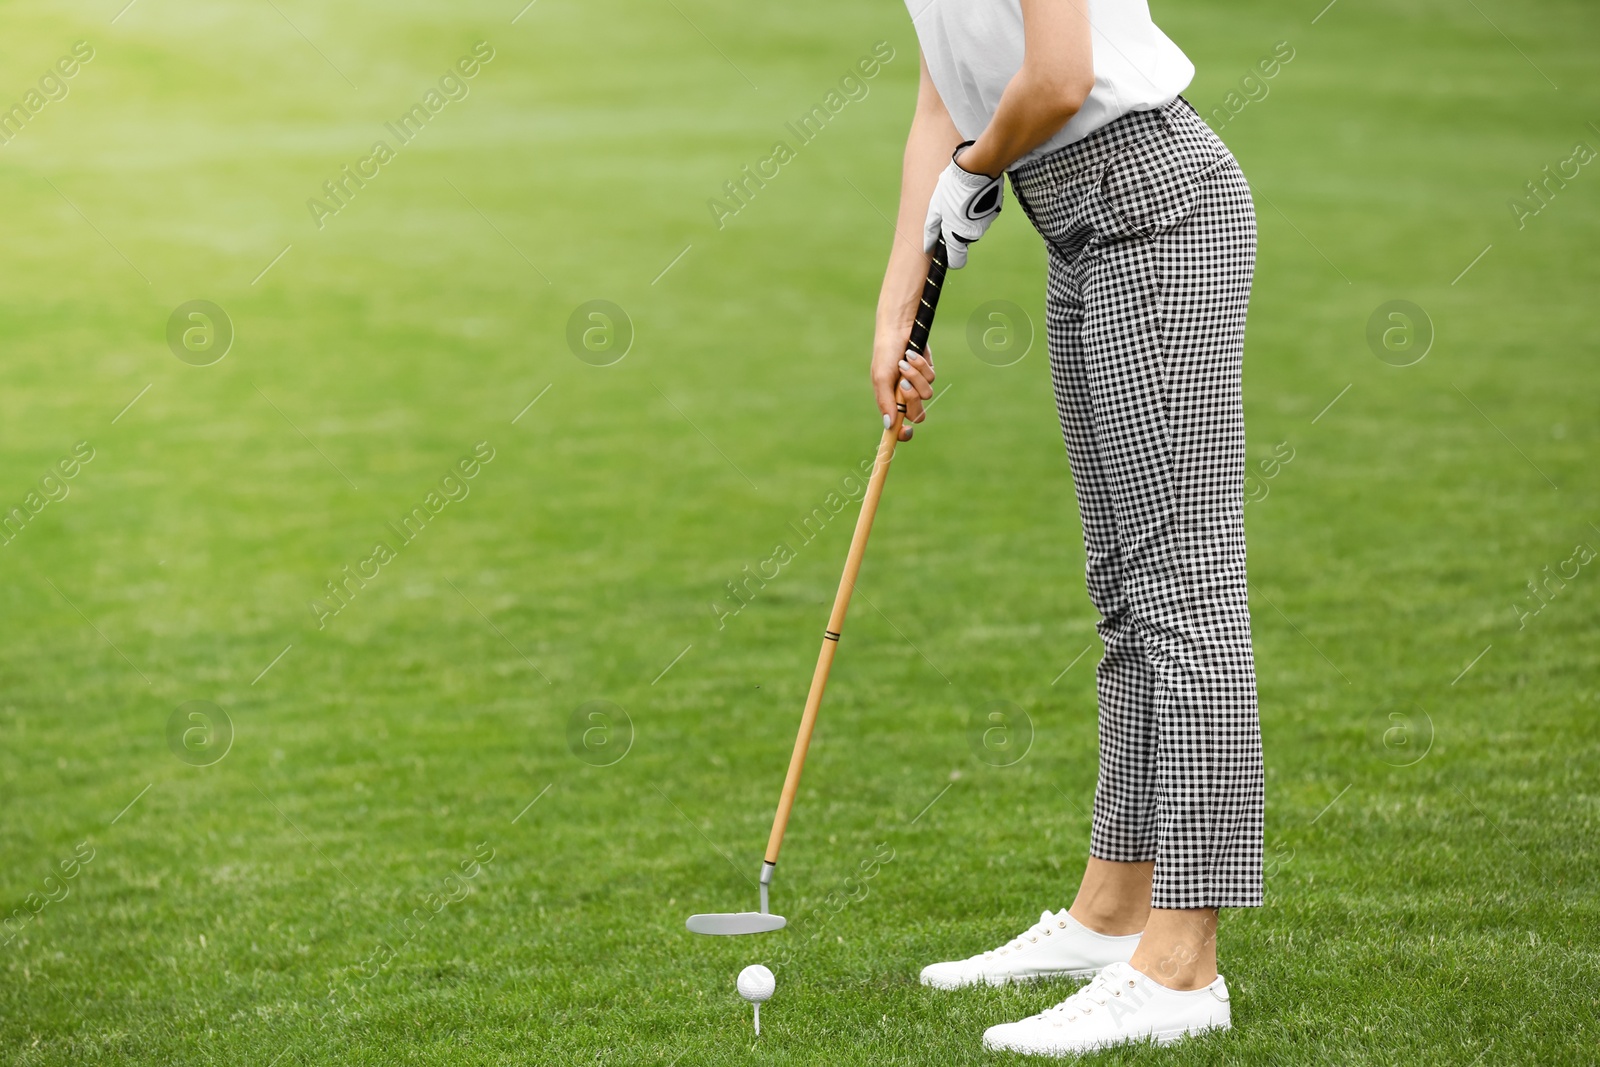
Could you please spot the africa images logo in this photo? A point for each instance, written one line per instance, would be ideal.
(342, 188)
(853, 86)
(453, 486)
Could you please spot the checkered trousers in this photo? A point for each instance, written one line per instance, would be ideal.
(1152, 241)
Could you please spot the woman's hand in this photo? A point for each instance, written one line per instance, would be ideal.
(900, 376)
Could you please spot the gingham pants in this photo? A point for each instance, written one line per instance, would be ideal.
(1152, 240)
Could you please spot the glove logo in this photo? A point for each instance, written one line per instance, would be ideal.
(985, 203)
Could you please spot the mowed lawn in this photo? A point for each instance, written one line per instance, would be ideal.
(458, 812)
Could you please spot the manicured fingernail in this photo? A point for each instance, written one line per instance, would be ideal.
(905, 385)
(888, 421)
(904, 365)
(909, 432)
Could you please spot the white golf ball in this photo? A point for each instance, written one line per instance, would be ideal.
(756, 983)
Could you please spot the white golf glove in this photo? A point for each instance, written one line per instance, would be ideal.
(962, 207)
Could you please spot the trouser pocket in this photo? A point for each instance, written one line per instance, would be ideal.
(1150, 186)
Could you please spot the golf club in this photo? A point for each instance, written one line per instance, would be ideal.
(763, 921)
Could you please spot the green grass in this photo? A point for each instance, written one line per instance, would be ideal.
(1441, 912)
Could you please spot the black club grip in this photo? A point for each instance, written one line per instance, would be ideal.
(931, 288)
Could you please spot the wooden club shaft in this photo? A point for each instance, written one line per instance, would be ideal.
(830, 640)
(918, 343)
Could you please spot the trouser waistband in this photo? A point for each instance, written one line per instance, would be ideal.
(1102, 144)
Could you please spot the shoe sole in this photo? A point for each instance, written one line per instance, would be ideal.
(996, 981)
(1160, 1037)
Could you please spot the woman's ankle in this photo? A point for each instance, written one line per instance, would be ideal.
(1114, 897)
(1112, 922)
(1162, 969)
(1179, 948)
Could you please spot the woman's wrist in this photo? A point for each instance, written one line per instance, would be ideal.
(893, 334)
(897, 320)
(977, 158)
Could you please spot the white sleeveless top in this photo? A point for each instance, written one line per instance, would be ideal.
(974, 47)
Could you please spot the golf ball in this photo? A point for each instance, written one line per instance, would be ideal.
(756, 983)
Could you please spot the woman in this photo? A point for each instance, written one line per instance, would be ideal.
(1151, 238)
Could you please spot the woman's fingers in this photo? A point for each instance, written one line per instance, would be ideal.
(918, 373)
(923, 364)
(885, 382)
(915, 385)
(906, 380)
(907, 394)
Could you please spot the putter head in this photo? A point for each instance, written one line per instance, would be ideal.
(736, 922)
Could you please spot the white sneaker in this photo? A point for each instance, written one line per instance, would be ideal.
(1120, 1006)
(1056, 946)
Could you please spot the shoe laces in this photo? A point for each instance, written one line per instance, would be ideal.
(1107, 986)
(1048, 922)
